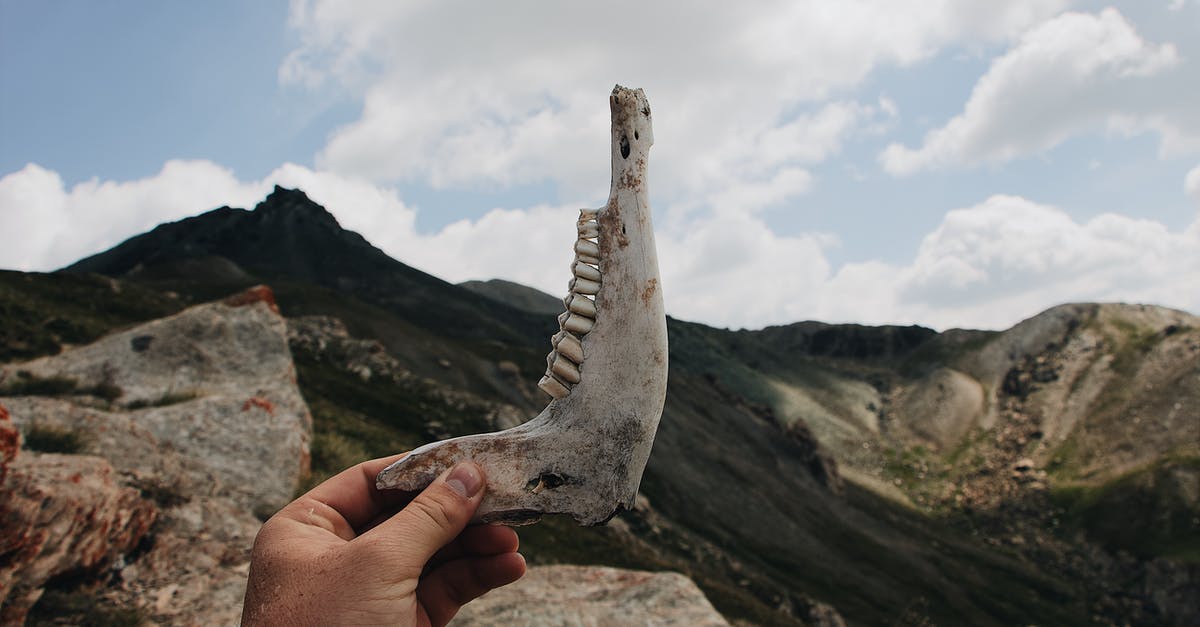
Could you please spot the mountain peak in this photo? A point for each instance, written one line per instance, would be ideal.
(293, 203)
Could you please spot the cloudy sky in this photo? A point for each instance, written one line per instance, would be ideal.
(952, 163)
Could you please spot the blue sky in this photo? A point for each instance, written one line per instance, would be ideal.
(949, 164)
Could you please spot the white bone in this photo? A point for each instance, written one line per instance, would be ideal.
(584, 454)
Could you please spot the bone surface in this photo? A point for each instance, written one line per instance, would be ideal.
(584, 454)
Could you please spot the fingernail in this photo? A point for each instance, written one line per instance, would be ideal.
(465, 479)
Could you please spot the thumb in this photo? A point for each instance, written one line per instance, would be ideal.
(437, 515)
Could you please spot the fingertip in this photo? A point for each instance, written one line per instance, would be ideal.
(466, 478)
(521, 565)
(508, 567)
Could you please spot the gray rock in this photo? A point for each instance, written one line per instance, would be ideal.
(206, 402)
(587, 596)
(199, 424)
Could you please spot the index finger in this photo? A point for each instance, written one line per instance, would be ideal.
(352, 493)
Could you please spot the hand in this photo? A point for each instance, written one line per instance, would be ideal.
(338, 554)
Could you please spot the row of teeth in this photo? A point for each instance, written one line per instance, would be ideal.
(563, 362)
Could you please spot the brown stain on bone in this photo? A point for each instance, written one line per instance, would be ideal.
(648, 293)
(612, 228)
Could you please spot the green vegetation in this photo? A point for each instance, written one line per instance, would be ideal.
(29, 384)
(169, 398)
(1145, 512)
(44, 312)
(921, 472)
(51, 439)
(165, 495)
(1130, 345)
(81, 607)
(355, 419)
(26, 384)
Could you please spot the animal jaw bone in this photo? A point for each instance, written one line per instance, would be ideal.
(584, 454)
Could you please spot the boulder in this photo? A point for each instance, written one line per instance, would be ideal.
(62, 514)
(193, 423)
(588, 596)
(203, 403)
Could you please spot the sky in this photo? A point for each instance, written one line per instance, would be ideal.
(945, 163)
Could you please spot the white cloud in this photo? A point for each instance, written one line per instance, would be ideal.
(508, 96)
(57, 226)
(988, 265)
(1072, 74)
(1191, 183)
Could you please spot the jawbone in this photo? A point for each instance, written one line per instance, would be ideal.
(584, 454)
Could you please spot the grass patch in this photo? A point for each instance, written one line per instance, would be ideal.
(170, 398)
(29, 384)
(356, 420)
(79, 607)
(44, 312)
(1144, 512)
(1130, 346)
(48, 439)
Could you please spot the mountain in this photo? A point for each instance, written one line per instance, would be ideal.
(516, 295)
(896, 474)
(297, 247)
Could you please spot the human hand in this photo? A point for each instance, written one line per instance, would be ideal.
(339, 555)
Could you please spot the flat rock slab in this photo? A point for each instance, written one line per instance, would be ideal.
(206, 402)
(592, 596)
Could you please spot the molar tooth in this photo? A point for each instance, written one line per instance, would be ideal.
(584, 286)
(588, 214)
(584, 271)
(570, 347)
(587, 249)
(595, 261)
(562, 318)
(578, 324)
(589, 230)
(582, 305)
(565, 370)
(553, 387)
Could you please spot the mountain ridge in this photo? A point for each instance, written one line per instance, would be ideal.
(854, 451)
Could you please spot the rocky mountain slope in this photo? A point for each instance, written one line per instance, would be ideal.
(894, 473)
